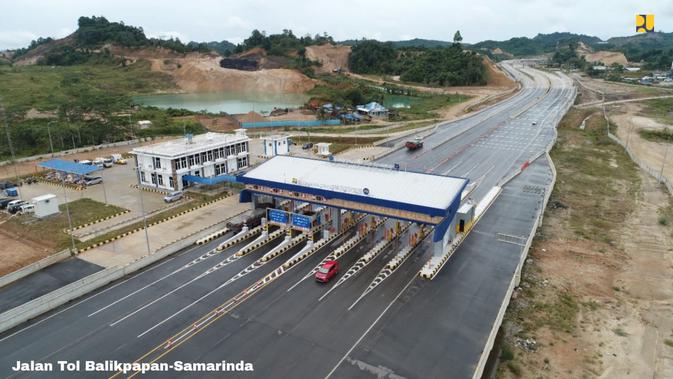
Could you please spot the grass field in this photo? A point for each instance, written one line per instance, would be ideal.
(661, 109)
(339, 144)
(665, 135)
(49, 231)
(36, 86)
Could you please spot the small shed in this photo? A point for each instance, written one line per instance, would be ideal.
(276, 145)
(45, 205)
(323, 149)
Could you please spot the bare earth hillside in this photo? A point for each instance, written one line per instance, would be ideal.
(330, 56)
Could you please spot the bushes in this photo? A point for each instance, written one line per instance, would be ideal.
(444, 66)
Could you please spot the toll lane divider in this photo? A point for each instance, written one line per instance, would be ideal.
(364, 261)
(238, 238)
(212, 316)
(212, 236)
(97, 221)
(389, 269)
(284, 246)
(341, 250)
(122, 235)
(432, 267)
(259, 242)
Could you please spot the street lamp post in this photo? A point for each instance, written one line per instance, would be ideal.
(142, 209)
(67, 211)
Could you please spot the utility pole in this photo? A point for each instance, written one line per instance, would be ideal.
(51, 144)
(9, 143)
(663, 163)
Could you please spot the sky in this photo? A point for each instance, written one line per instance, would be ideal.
(210, 20)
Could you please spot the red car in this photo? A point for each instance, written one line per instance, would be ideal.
(327, 271)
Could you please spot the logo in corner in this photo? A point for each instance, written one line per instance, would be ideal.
(644, 23)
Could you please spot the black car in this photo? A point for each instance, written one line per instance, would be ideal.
(307, 146)
(251, 219)
(5, 201)
(15, 206)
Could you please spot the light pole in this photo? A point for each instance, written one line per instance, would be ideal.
(51, 144)
(67, 211)
(142, 209)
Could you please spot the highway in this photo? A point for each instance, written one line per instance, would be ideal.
(406, 326)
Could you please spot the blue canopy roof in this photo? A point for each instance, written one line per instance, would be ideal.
(68, 166)
(209, 181)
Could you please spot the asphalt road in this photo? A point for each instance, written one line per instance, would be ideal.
(406, 326)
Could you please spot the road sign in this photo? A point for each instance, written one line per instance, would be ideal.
(277, 216)
(301, 221)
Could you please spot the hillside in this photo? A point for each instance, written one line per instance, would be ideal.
(524, 46)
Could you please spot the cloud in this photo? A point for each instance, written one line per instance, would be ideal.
(168, 35)
(13, 39)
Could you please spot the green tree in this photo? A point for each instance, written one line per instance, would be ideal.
(457, 38)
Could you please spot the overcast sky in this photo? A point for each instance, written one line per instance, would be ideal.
(205, 20)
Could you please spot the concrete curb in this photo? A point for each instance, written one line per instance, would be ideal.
(106, 241)
(96, 221)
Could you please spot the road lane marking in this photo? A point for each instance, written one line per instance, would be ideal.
(414, 277)
(87, 299)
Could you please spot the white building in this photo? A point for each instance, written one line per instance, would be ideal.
(144, 124)
(164, 164)
(275, 145)
(45, 205)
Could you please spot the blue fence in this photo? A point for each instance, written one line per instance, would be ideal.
(276, 124)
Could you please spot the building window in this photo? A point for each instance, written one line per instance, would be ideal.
(191, 160)
(157, 163)
(142, 176)
(197, 159)
(171, 183)
(216, 153)
(161, 180)
(228, 150)
(210, 155)
(154, 178)
(203, 157)
(222, 152)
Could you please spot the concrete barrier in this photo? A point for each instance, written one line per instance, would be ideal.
(33, 267)
(56, 298)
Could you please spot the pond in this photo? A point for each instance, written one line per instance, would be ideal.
(229, 102)
(399, 101)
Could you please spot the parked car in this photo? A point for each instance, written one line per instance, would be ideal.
(307, 146)
(5, 201)
(26, 208)
(120, 161)
(91, 180)
(13, 206)
(327, 271)
(108, 162)
(4, 184)
(251, 219)
(98, 162)
(173, 196)
(86, 162)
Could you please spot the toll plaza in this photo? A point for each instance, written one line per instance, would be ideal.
(329, 192)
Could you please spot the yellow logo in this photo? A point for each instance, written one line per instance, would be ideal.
(644, 23)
